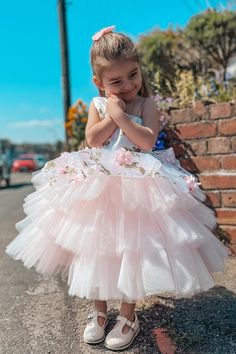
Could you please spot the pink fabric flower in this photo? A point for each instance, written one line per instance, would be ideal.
(103, 31)
(191, 182)
(70, 169)
(124, 157)
(62, 170)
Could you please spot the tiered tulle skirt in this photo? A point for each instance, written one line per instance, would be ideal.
(119, 226)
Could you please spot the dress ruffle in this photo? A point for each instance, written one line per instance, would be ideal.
(120, 227)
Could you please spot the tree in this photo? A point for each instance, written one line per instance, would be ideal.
(163, 54)
(214, 33)
(155, 50)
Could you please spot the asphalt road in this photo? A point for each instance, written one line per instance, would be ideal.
(37, 316)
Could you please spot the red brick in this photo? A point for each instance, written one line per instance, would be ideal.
(163, 340)
(199, 147)
(189, 165)
(231, 232)
(234, 108)
(214, 199)
(227, 127)
(233, 143)
(196, 130)
(228, 162)
(204, 163)
(221, 110)
(229, 198)
(181, 116)
(226, 216)
(217, 181)
(218, 146)
(199, 109)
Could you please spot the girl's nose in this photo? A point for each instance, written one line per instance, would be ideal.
(127, 86)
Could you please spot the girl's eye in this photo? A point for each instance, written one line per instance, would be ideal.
(115, 82)
(118, 81)
(134, 74)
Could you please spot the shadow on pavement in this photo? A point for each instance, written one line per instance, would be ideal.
(203, 324)
(16, 186)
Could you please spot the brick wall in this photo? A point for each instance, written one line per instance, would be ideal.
(204, 140)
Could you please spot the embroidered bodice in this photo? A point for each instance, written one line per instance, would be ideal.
(118, 139)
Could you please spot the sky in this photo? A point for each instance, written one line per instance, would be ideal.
(31, 103)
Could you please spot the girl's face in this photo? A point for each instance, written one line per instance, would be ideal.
(122, 78)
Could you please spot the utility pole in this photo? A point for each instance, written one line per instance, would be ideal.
(64, 60)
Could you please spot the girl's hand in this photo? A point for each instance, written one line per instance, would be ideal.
(115, 107)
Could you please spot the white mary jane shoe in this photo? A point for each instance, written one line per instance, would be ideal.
(116, 340)
(94, 333)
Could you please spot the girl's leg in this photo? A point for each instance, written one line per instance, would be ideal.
(127, 310)
(100, 306)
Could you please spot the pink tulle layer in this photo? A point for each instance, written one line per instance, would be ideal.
(119, 231)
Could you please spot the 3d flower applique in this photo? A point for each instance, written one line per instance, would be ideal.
(48, 165)
(67, 169)
(191, 182)
(62, 170)
(52, 180)
(124, 157)
(79, 177)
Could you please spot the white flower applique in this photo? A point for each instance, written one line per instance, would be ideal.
(192, 182)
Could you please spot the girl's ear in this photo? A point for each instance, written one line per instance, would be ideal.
(98, 82)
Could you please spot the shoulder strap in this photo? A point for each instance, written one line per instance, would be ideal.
(141, 107)
(100, 105)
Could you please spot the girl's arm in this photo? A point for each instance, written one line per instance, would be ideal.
(98, 131)
(144, 136)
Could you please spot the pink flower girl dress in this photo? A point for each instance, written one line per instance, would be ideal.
(119, 223)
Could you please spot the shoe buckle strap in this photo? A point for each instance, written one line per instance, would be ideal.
(121, 318)
(96, 314)
(130, 324)
(127, 322)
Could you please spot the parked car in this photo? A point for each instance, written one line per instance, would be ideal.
(28, 162)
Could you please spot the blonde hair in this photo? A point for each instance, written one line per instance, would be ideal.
(113, 46)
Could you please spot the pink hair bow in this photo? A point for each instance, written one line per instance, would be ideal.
(101, 33)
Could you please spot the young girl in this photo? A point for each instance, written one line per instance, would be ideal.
(121, 221)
